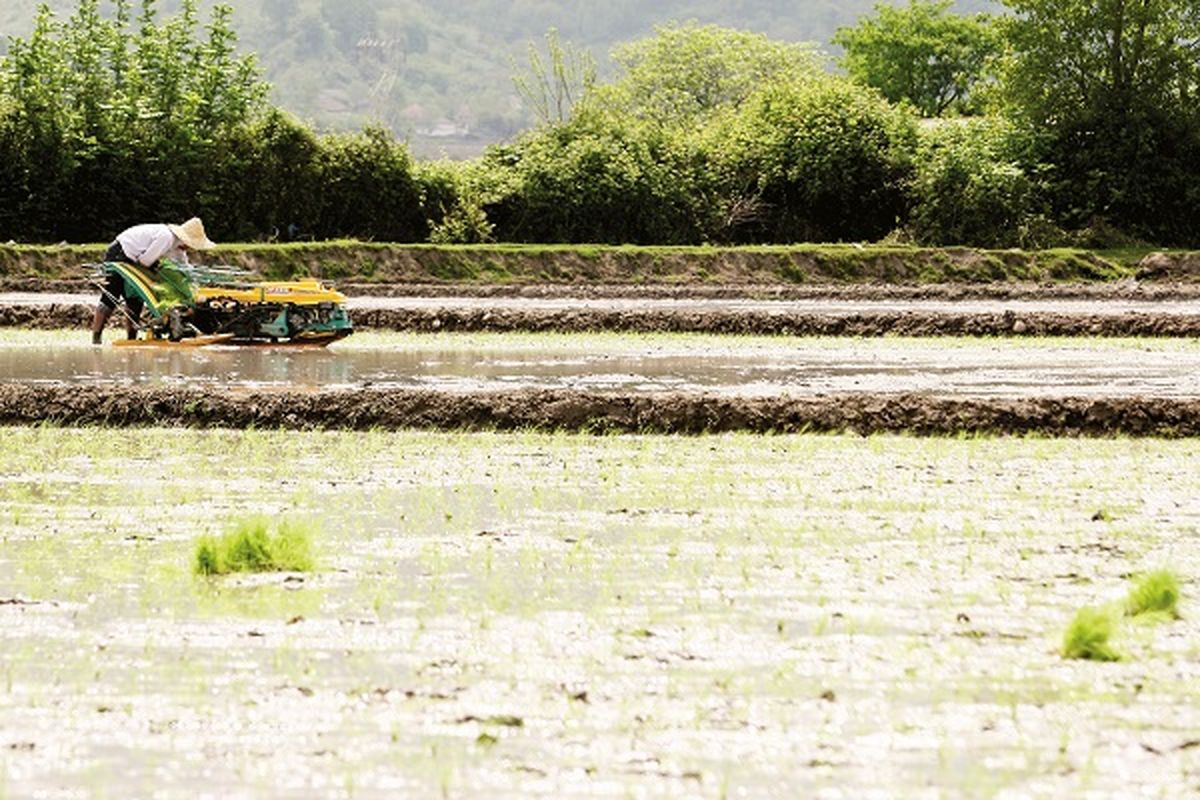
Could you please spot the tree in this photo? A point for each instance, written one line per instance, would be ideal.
(1111, 86)
(552, 86)
(1071, 59)
(923, 54)
(684, 73)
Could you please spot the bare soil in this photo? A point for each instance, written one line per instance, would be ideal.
(46, 317)
(757, 322)
(914, 321)
(1117, 290)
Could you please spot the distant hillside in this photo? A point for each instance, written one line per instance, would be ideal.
(439, 73)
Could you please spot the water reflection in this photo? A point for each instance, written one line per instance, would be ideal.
(981, 371)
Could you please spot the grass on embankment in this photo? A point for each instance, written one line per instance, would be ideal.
(353, 261)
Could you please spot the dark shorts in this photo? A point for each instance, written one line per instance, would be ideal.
(114, 288)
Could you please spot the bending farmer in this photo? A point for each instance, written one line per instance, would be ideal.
(144, 246)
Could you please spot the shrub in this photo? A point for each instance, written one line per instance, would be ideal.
(1138, 172)
(595, 179)
(250, 547)
(452, 199)
(368, 190)
(821, 158)
(266, 181)
(968, 188)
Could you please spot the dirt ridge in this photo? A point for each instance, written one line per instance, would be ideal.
(710, 321)
(771, 323)
(571, 410)
(994, 290)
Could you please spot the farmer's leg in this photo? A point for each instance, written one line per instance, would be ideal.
(99, 318)
(114, 290)
(134, 306)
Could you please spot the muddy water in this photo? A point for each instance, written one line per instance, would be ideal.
(795, 367)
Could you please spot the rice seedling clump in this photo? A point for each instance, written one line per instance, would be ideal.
(1153, 598)
(1155, 593)
(1088, 634)
(251, 547)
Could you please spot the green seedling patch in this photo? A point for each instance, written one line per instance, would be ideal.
(1088, 636)
(252, 547)
(1154, 593)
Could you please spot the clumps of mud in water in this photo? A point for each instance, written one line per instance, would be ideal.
(774, 323)
(50, 317)
(572, 410)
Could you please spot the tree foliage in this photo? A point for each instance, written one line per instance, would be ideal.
(1071, 59)
(593, 179)
(117, 107)
(814, 160)
(411, 64)
(107, 120)
(971, 186)
(551, 86)
(922, 53)
(1112, 87)
(119, 114)
(710, 135)
(685, 72)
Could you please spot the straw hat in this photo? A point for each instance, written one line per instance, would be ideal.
(192, 234)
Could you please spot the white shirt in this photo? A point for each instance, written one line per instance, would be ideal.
(146, 244)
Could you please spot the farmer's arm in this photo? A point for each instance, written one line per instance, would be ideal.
(162, 243)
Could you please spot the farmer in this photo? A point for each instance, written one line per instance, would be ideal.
(144, 246)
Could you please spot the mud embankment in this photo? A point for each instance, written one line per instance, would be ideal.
(783, 323)
(1118, 290)
(1124, 290)
(365, 262)
(48, 317)
(568, 410)
(708, 321)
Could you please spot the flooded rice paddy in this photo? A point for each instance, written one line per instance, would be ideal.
(980, 368)
(557, 615)
(534, 615)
